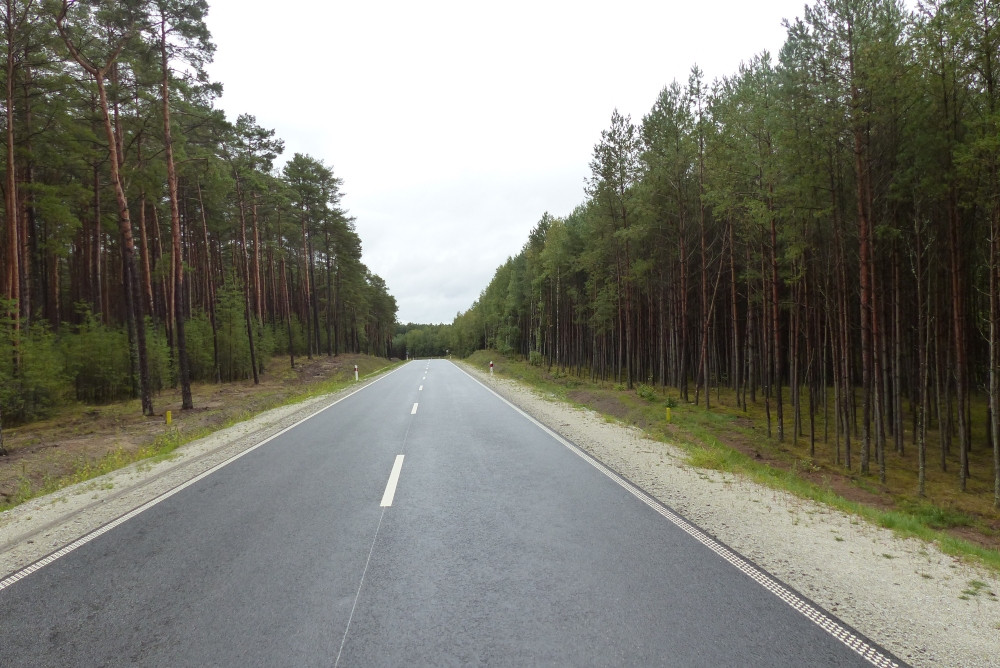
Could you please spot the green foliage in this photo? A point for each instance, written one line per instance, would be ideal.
(97, 361)
(32, 380)
(935, 516)
(647, 392)
(234, 348)
(268, 338)
(162, 365)
(422, 341)
(200, 348)
(535, 358)
(42, 383)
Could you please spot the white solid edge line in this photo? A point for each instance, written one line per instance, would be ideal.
(80, 542)
(791, 598)
(390, 487)
(414, 410)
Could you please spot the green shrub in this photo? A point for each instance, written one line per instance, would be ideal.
(535, 358)
(234, 348)
(200, 347)
(43, 382)
(32, 379)
(646, 392)
(96, 360)
(159, 358)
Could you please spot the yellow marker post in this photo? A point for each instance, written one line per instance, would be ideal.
(170, 417)
(668, 413)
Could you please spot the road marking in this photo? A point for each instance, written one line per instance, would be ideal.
(414, 411)
(390, 488)
(421, 389)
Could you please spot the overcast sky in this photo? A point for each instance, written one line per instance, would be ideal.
(456, 125)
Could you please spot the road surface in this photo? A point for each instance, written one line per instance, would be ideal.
(419, 521)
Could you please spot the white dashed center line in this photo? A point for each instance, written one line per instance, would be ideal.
(414, 411)
(390, 488)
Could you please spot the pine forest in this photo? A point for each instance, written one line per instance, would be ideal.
(146, 240)
(817, 234)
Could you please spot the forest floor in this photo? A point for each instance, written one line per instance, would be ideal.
(81, 441)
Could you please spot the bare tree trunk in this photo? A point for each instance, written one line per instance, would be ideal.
(147, 279)
(776, 317)
(247, 306)
(315, 297)
(255, 269)
(865, 306)
(793, 367)
(994, 350)
(95, 273)
(958, 325)
(897, 351)
(923, 321)
(734, 307)
(842, 339)
(329, 294)
(288, 313)
(175, 226)
(14, 271)
(210, 290)
(307, 287)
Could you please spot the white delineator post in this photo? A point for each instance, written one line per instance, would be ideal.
(491, 367)
(355, 373)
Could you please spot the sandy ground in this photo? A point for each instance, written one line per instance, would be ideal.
(926, 607)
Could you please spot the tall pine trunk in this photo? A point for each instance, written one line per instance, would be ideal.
(247, 305)
(14, 271)
(175, 228)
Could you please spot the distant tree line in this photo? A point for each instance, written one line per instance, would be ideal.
(146, 240)
(415, 340)
(820, 230)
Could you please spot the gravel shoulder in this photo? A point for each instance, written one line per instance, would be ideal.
(926, 607)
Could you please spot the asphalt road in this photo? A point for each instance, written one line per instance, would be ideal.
(419, 521)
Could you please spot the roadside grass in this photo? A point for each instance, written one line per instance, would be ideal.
(730, 439)
(161, 445)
